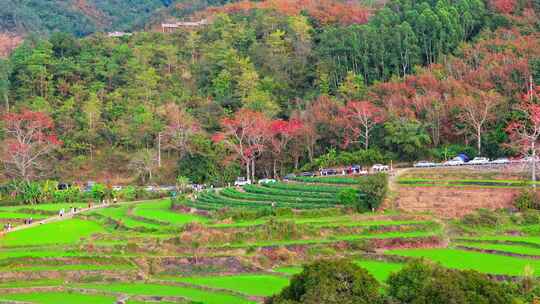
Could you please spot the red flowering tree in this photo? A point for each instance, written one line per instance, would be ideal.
(282, 132)
(245, 134)
(359, 118)
(524, 133)
(504, 6)
(29, 138)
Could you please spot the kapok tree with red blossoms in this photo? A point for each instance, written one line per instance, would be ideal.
(29, 138)
(359, 118)
(245, 134)
(524, 133)
(282, 132)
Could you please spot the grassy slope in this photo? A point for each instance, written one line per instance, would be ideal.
(63, 232)
(257, 285)
(164, 290)
(59, 298)
(482, 262)
(160, 210)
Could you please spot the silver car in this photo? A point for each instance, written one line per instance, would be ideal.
(424, 164)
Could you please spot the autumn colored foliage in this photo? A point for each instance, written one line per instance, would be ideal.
(30, 137)
(324, 11)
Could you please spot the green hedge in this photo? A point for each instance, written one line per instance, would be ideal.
(287, 192)
(303, 187)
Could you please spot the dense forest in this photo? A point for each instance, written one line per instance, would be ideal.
(79, 17)
(266, 88)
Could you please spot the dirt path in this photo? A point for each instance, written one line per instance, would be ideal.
(390, 201)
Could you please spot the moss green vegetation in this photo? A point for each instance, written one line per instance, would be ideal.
(256, 285)
(482, 262)
(62, 232)
(58, 298)
(193, 294)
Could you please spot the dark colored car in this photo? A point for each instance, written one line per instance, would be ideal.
(289, 176)
(308, 174)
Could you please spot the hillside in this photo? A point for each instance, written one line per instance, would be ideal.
(19, 18)
(299, 82)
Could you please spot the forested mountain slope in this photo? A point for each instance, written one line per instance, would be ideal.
(300, 84)
(79, 17)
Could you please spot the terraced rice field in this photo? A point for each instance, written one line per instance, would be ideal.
(250, 284)
(58, 298)
(144, 250)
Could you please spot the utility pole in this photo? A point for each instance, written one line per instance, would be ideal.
(159, 150)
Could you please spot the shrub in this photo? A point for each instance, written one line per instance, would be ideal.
(427, 283)
(527, 199)
(374, 188)
(349, 197)
(482, 218)
(330, 282)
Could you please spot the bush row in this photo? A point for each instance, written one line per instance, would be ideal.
(287, 192)
(233, 193)
(303, 187)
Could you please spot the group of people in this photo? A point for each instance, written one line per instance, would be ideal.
(72, 210)
(7, 227)
(28, 221)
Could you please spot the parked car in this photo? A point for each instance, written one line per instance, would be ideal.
(307, 174)
(380, 168)
(456, 161)
(327, 172)
(479, 161)
(289, 176)
(267, 181)
(424, 164)
(241, 181)
(501, 161)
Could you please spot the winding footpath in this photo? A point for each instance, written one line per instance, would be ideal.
(68, 215)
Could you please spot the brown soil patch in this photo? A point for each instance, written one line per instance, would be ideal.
(453, 202)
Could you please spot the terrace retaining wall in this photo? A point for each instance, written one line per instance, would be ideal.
(453, 202)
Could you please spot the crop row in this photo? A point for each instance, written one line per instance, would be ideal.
(283, 192)
(212, 198)
(235, 194)
(303, 187)
(328, 180)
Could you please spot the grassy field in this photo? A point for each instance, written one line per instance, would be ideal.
(482, 262)
(193, 294)
(160, 211)
(229, 258)
(59, 298)
(63, 232)
(256, 285)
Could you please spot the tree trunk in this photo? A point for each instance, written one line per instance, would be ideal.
(275, 168)
(366, 142)
(479, 140)
(533, 169)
